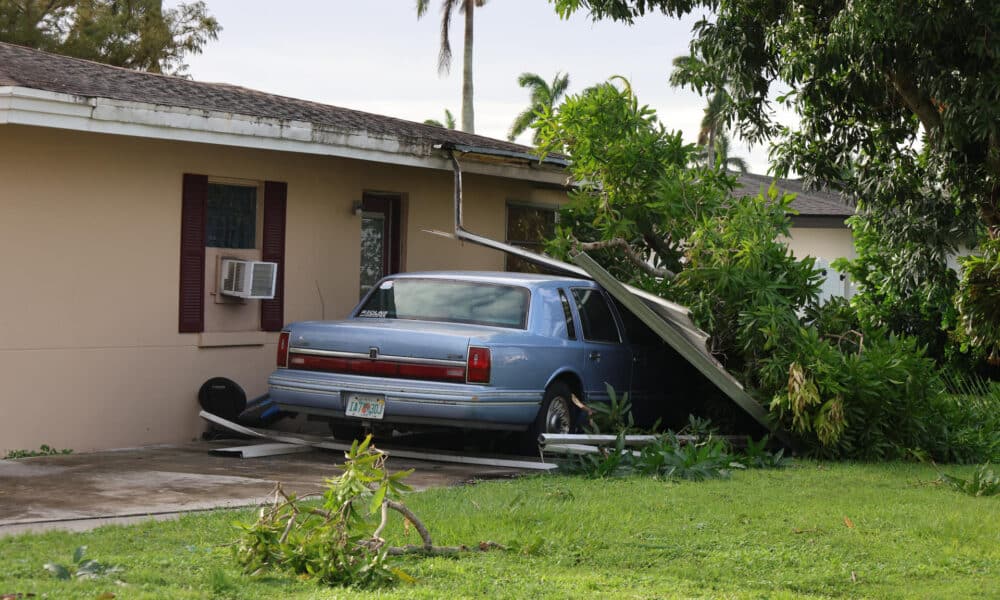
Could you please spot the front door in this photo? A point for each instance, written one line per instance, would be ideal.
(380, 238)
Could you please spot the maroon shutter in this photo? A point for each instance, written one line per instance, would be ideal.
(194, 198)
(272, 312)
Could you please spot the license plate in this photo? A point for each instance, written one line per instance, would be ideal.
(365, 406)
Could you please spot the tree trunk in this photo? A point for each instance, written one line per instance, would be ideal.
(468, 118)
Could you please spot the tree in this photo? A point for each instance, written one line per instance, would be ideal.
(135, 34)
(544, 97)
(467, 7)
(898, 101)
(712, 134)
(449, 121)
(841, 390)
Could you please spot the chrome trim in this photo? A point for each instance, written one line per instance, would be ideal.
(410, 400)
(291, 385)
(384, 357)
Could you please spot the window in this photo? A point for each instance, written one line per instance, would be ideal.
(231, 217)
(232, 223)
(449, 301)
(595, 315)
(380, 238)
(529, 227)
(570, 328)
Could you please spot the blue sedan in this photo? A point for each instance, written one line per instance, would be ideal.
(477, 350)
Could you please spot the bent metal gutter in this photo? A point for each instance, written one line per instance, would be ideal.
(671, 321)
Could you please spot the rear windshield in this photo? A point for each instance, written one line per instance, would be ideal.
(450, 301)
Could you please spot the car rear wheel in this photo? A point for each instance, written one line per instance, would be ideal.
(346, 431)
(555, 415)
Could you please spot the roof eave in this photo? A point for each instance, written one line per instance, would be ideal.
(41, 108)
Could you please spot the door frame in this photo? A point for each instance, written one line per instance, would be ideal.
(390, 205)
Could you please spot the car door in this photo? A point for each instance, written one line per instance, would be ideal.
(608, 360)
(649, 367)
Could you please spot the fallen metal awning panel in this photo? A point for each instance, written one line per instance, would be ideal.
(327, 444)
(671, 321)
(259, 450)
(678, 335)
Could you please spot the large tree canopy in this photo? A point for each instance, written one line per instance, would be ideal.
(135, 34)
(869, 79)
(898, 103)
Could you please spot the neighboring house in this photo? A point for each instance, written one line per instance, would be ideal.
(121, 192)
(818, 230)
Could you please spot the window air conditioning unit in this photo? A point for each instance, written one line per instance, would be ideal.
(249, 279)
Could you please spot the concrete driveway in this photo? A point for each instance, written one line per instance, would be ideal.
(82, 491)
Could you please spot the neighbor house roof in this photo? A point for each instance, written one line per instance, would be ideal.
(284, 117)
(814, 207)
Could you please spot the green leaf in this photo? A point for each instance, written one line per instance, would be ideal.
(378, 498)
(78, 554)
(57, 570)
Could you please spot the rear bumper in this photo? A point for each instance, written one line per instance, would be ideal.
(407, 401)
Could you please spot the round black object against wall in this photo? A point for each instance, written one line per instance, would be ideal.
(222, 397)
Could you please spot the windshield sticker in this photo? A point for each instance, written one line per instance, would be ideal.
(386, 285)
(373, 314)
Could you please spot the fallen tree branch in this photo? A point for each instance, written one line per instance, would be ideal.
(631, 254)
(412, 518)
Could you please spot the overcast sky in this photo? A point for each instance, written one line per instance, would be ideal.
(374, 55)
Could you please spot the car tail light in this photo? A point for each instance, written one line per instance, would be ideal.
(478, 367)
(283, 349)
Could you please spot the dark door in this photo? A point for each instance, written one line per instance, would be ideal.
(608, 360)
(380, 238)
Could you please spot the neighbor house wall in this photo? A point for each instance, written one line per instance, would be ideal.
(90, 354)
(820, 242)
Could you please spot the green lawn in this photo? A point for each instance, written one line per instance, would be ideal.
(762, 534)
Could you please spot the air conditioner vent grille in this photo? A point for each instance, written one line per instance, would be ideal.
(248, 279)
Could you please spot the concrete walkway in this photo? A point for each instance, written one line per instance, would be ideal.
(82, 491)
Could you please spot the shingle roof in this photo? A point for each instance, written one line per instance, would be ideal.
(26, 67)
(809, 203)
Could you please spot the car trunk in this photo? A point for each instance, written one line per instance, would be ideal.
(386, 348)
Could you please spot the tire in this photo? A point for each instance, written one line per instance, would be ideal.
(346, 431)
(555, 415)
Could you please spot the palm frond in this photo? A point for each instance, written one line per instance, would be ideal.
(444, 57)
(559, 85)
(522, 122)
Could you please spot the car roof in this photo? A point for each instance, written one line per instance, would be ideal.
(525, 279)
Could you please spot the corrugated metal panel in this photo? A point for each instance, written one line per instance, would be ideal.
(669, 320)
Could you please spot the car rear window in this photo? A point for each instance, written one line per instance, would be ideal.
(450, 301)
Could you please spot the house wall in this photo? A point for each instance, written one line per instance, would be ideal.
(826, 245)
(821, 242)
(90, 356)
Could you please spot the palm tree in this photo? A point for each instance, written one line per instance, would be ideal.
(444, 57)
(712, 134)
(449, 121)
(544, 97)
(719, 155)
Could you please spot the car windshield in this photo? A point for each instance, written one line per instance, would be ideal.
(448, 300)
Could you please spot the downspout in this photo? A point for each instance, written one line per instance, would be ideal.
(457, 168)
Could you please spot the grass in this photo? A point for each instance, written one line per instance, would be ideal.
(816, 530)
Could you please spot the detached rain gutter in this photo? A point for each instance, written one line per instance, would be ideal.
(671, 321)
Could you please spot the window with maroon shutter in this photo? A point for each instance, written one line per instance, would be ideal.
(222, 215)
(191, 317)
(272, 312)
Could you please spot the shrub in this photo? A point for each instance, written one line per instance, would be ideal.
(984, 482)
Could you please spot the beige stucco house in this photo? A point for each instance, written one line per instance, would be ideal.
(122, 192)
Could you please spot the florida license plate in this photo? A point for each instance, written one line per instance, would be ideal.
(365, 406)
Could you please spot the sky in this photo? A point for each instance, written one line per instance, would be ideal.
(374, 55)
